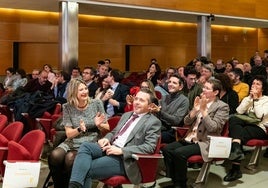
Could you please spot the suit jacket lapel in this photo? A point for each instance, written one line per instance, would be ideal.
(123, 122)
(137, 127)
(213, 106)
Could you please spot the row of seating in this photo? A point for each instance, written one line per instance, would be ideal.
(14, 146)
(148, 163)
(252, 165)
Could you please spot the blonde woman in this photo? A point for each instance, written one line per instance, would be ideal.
(83, 119)
(145, 84)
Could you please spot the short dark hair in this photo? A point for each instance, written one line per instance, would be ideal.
(65, 75)
(101, 62)
(189, 70)
(11, 70)
(76, 68)
(263, 81)
(118, 76)
(108, 60)
(181, 80)
(93, 71)
(22, 73)
(238, 72)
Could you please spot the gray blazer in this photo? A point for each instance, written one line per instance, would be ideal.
(142, 140)
(218, 114)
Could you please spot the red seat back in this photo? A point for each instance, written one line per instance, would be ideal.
(28, 148)
(3, 122)
(13, 131)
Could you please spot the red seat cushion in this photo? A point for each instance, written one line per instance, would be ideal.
(256, 142)
(116, 180)
(195, 159)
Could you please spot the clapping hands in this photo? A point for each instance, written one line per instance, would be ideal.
(200, 104)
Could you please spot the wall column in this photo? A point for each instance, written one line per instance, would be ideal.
(204, 36)
(68, 35)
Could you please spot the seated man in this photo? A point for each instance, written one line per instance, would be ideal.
(136, 132)
(208, 116)
(172, 108)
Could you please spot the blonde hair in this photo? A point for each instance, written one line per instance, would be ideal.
(150, 86)
(72, 91)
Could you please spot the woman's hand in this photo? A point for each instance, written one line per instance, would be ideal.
(99, 119)
(82, 126)
(129, 99)
(108, 95)
(254, 94)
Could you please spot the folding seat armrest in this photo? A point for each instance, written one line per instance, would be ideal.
(43, 119)
(3, 148)
(180, 132)
(146, 156)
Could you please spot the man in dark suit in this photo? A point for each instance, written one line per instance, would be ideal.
(115, 98)
(112, 155)
(88, 76)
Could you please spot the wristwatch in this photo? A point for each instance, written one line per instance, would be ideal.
(79, 129)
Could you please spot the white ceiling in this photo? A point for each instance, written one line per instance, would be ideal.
(109, 9)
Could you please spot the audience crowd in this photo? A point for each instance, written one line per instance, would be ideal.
(203, 94)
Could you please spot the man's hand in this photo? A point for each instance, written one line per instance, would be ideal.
(203, 105)
(113, 150)
(104, 142)
(113, 102)
(154, 108)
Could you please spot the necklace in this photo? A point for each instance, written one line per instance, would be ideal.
(83, 106)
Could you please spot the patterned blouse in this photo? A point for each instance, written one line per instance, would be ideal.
(72, 117)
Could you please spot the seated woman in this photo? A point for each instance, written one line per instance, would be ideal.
(20, 80)
(208, 116)
(242, 129)
(83, 119)
(145, 84)
(227, 94)
(102, 90)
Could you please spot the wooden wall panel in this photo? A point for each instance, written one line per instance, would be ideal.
(263, 40)
(90, 54)
(173, 44)
(235, 42)
(6, 59)
(35, 55)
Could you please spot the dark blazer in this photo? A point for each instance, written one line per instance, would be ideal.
(92, 89)
(120, 95)
(142, 140)
(212, 124)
